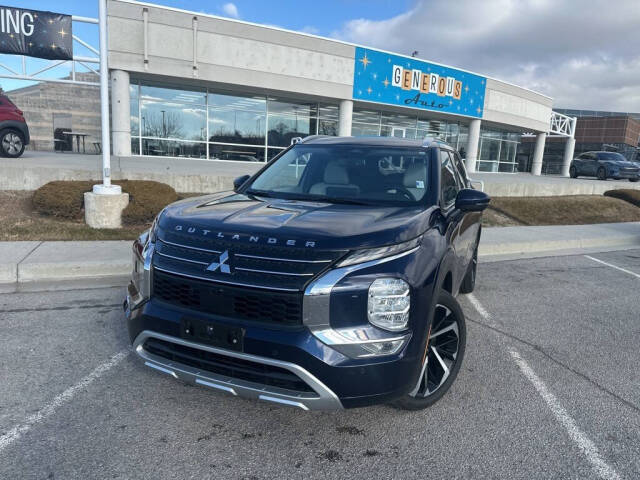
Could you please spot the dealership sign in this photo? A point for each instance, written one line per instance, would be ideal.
(408, 82)
(35, 33)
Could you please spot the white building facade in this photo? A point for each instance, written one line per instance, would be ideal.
(186, 84)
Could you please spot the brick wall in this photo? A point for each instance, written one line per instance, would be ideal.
(41, 101)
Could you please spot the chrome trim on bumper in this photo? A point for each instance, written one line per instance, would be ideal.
(324, 399)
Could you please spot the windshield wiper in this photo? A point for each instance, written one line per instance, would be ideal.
(347, 201)
(259, 193)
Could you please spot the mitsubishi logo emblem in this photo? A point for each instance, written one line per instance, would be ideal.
(221, 263)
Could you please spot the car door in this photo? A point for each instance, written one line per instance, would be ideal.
(470, 223)
(449, 188)
(590, 164)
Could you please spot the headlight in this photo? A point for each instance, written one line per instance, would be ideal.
(389, 303)
(368, 254)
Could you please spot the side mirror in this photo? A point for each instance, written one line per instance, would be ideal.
(237, 183)
(469, 200)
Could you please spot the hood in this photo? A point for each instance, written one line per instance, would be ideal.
(237, 217)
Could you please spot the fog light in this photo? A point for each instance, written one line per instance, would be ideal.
(383, 348)
(389, 303)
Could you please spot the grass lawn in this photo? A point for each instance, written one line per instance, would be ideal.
(569, 210)
(20, 221)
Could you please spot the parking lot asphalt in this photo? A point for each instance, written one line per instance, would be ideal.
(549, 388)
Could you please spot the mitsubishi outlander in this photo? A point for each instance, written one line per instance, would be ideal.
(327, 280)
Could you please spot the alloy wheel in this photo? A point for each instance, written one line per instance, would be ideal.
(12, 143)
(442, 353)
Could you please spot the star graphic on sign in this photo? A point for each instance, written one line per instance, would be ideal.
(471, 101)
(386, 82)
(375, 76)
(365, 61)
(369, 90)
(11, 35)
(62, 32)
(50, 21)
(450, 102)
(53, 46)
(478, 110)
(398, 97)
(466, 89)
(30, 44)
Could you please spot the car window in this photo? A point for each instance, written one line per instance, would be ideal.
(460, 172)
(371, 174)
(448, 183)
(618, 157)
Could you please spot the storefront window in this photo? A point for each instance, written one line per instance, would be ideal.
(173, 120)
(236, 153)
(234, 119)
(134, 113)
(287, 120)
(173, 148)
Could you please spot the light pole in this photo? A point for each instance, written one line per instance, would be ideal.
(105, 188)
(164, 127)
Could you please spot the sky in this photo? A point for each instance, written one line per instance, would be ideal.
(581, 52)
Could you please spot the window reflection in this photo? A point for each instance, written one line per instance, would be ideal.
(236, 153)
(173, 148)
(236, 119)
(172, 120)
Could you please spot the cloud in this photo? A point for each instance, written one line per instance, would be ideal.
(230, 10)
(579, 53)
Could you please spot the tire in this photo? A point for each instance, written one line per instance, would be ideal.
(446, 346)
(602, 173)
(634, 179)
(11, 143)
(469, 281)
(573, 172)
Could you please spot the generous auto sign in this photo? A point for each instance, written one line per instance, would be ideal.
(392, 79)
(35, 33)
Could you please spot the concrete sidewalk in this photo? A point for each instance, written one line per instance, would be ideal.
(44, 265)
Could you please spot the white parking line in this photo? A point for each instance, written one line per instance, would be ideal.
(613, 266)
(16, 432)
(588, 448)
(602, 468)
(479, 308)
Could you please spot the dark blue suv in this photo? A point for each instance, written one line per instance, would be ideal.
(604, 165)
(327, 280)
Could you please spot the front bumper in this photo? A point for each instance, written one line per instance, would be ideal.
(315, 352)
(321, 399)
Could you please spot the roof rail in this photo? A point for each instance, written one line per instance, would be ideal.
(434, 142)
(295, 140)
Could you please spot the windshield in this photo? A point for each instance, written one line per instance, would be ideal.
(618, 157)
(348, 174)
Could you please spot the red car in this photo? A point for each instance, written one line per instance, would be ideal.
(14, 133)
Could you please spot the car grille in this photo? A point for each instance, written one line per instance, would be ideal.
(276, 308)
(227, 366)
(244, 264)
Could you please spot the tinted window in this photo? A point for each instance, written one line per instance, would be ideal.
(618, 157)
(448, 182)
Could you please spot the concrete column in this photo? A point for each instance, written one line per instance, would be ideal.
(120, 113)
(472, 145)
(346, 117)
(538, 153)
(569, 147)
